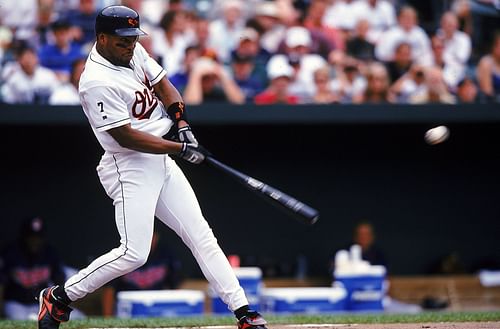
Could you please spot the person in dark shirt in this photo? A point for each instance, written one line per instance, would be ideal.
(401, 63)
(364, 236)
(26, 266)
(358, 46)
(161, 271)
(243, 74)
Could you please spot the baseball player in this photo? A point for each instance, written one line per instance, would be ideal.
(130, 105)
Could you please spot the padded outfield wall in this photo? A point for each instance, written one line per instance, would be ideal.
(352, 163)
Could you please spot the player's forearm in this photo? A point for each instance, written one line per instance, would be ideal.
(140, 141)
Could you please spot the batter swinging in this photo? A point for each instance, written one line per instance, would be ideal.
(130, 105)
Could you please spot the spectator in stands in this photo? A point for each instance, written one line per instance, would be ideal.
(327, 37)
(267, 22)
(249, 46)
(201, 37)
(436, 89)
(67, 93)
(380, 14)
(161, 271)
(26, 266)
(467, 91)
(20, 17)
(457, 44)
(488, 71)
(46, 16)
(407, 31)
(26, 82)
(280, 74)
(401, 63)
(358, 45)
(180, 79)
(323, 91)
(340, 14)
(298, 53)
(209, 82)
(83, 21)
(170, 41)
(349, 83)
(410, 84)
(453, 71)
(377, 87)
(224, 32)
(364, 236)
(242, 70)
(60, 55)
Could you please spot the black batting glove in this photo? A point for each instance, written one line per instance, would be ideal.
(193, 153)
(185, 134)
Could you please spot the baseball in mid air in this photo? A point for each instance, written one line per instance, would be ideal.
(437, 135)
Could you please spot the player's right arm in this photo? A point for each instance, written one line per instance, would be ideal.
(140, 141)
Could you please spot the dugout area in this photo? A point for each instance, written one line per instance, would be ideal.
(426, 202)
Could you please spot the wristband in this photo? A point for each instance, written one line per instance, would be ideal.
(176, 111)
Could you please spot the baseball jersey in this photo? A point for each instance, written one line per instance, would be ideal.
(112, 96)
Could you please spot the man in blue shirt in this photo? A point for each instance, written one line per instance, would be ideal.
(62, 52)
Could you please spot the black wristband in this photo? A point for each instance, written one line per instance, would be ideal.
(176, 111)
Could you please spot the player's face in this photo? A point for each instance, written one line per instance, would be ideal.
(119, 50)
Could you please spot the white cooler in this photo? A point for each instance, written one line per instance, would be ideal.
(303, 300)
(159, 303)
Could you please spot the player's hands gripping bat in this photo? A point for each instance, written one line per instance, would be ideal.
(300, 211)
(193, 152)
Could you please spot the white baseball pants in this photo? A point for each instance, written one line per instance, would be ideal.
(144, 185)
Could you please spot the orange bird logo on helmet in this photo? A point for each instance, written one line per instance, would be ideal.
(133, 22)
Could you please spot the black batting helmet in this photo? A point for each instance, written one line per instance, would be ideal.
(118, 20)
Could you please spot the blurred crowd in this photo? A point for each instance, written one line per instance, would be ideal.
(266, 52)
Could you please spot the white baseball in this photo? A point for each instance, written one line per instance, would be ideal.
(437, 135)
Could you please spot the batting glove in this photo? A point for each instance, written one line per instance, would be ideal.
(186, 135)
(193, 153)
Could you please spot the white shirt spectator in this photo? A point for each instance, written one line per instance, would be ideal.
(66, 94)
(416, 37)
(303, 83)
(20, 16)
(340, 15)
(457, 49)
(224, 38)
(271, 37)
(171, 55)
(381, 15)
(20, 88)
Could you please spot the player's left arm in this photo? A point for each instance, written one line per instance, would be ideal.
(172, 99)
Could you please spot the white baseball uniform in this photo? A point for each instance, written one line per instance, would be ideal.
(142, 185)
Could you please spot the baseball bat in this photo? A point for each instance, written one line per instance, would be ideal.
(300, 211)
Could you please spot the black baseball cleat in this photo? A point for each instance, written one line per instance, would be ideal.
(252, 320)
(52, 311)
